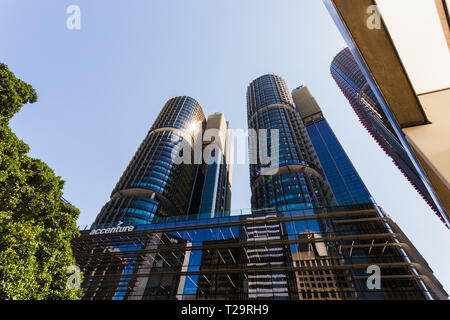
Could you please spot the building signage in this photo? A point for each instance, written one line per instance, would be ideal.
(116, 229)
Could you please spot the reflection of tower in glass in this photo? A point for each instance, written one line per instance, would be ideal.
(152, 184)
(160, 284)
(356, 89)
(326, 281)
(267, 285)
(219, 285)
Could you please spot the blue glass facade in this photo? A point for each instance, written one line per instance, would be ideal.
(130, 210)
(353, 84)
(311, 254)
(345, 182)
(214, 190)
(300, 182)
(153, 185)
(297, 184)
(348, 188)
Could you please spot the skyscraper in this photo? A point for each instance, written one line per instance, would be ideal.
(295, 243)
(312, 167)
(154, 185)
(293, 181)
(299, 181)
(348, 189)
(331, 284)
(344, 180)
(356, 89)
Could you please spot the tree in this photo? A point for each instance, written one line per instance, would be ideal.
(36, 226)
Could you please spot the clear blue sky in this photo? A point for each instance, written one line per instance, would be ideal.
(100, 89)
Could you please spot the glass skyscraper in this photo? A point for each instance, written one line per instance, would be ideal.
(301, 182)
(356, 89)
(344, 180)
(299, 241)
(298, 181)
(152, 184)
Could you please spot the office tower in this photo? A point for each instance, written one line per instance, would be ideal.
(348, 189)
(306, 141)
(216, 168)
(399, 86)
(299, 181)
(351, 81)
(320, 253)
(295, 243)
(344, 180)
(152, 184)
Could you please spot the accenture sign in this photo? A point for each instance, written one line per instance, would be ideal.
(116, 229)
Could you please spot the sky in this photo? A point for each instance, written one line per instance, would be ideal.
(101, 87)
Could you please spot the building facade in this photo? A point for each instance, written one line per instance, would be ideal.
(296, 242)
(292, 180)
(347, 186)
(309, 254)
(216, 168)
(152, 185)
(295, 179)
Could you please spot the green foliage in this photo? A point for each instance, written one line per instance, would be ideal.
(36, 227)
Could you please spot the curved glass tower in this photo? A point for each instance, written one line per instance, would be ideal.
(152, 184)
(299, 182)
(294, 181)
(354, 85)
